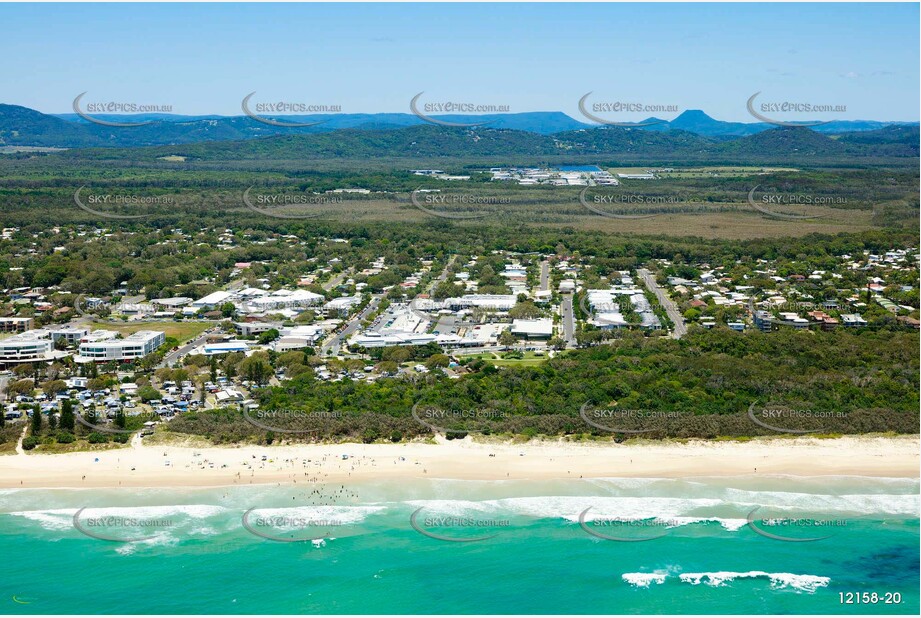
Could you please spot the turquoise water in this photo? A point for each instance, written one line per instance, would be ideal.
(357, 552)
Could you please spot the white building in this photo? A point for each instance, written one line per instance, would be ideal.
(212, 300)
(284, 299)
(497, 302)
(342, 305)
(541, 328)
(27, 347)
(71, 334)
(299, 337)
(225, 347)
(132, 347)
(175, 303)
(248, 329)
(372, 339)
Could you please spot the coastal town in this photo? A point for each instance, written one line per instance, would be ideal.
(137, 351)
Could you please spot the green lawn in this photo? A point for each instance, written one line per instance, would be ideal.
(183, 331)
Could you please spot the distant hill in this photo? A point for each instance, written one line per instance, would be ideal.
(533, 134)
(632, 140)
(895, 141)
(434, 142)
(20, 126)
(788, 140)
(696, 121)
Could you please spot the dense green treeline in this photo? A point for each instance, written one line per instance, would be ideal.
(700, 386)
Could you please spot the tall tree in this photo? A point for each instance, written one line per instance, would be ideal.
(67, 415)
(36, 420)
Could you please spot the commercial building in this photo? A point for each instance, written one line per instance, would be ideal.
(381, 340)
(342, 305)
(248, 329)
(212, 300)
(299, 337)
(496, 302)
(607, 310)
(175, 303)
(210, 349)
(132, 347)
(284, 299)
(70, 334)
(533, 329)
(27, 347)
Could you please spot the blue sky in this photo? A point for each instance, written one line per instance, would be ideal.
(204, 58)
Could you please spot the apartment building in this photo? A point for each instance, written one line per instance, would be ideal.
(16, 325)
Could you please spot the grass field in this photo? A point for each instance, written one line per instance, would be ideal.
(706, 220)
(183, 331)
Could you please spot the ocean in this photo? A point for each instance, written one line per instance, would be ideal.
(740, 545)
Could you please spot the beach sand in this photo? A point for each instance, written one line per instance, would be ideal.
(171, 466)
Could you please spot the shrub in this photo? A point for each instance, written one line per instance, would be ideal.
(29, 443)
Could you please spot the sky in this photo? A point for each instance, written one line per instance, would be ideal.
(204, 58)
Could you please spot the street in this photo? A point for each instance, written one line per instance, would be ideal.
(331, 346)
(568, 316)
(176, 355)
(670, 307)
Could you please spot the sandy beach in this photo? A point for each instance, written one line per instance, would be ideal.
(159, 466)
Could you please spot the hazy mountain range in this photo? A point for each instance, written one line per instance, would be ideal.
(506, 146)
(21, 126)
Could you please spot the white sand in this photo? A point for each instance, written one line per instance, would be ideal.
(145, 466)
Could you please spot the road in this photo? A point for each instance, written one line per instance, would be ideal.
(569, 322)
(4, 381)
(331, 346)
(176, 355)
(671, 309)
(443, 275)
(336, 280)
(544, 276)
